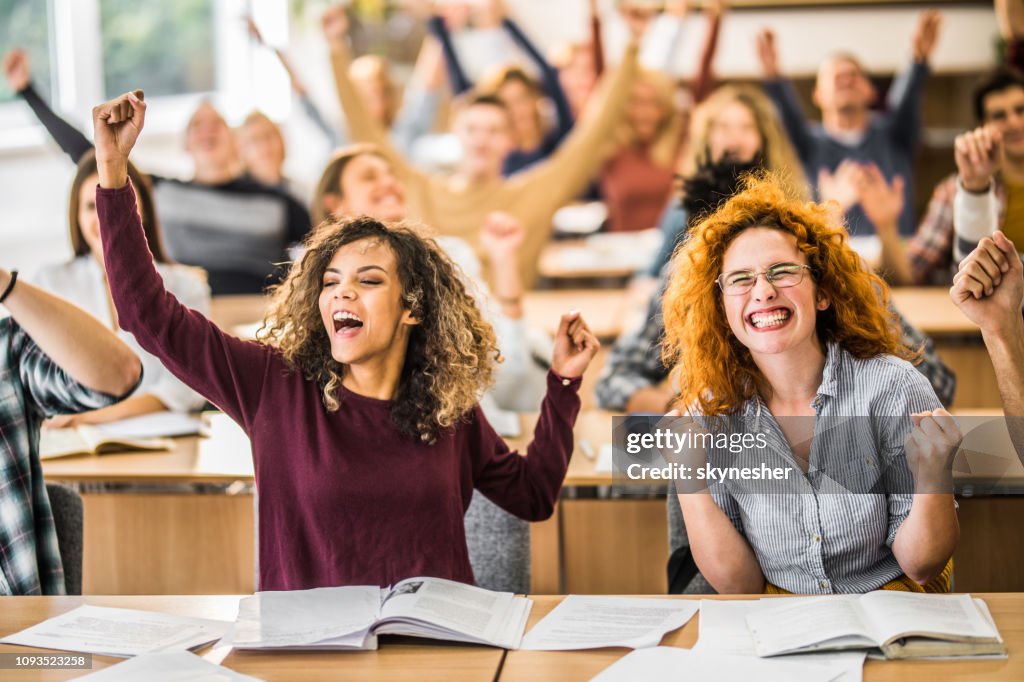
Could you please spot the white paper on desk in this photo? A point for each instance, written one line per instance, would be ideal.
(605, 461)
(505, 422)
(155, 425)
(178, 666)
(119, 632)
(325, 616)
(670, 664)
(584, 622)
(723, 630)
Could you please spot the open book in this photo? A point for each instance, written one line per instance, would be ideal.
(92, 440)
(352, 617)
(900, 624)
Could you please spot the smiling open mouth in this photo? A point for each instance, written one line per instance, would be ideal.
(769, 318)
(344, 321)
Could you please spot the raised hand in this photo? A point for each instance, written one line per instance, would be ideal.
(334, 24)
(977, 153)
(254, 30)
(840, 186)
(501, 237)
(491, 13)
(637, 18)
(678, 8)
(456, 15)
(882, 201)
(768, 53)
(930, 449)
(575, 347)
(117, 126)
(17, 69)
(926, 35)
(989, 286)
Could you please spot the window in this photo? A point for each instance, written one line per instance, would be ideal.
(26, 25)
(168, 47)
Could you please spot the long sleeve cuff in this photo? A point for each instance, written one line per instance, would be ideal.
(975, 216)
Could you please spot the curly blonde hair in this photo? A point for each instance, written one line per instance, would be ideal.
(452, 351)
(713, 370)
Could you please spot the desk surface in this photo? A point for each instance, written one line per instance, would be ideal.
(1007, 610)
(411, 660)
(397, 659)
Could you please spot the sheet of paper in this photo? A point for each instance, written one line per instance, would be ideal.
(55, 443)
(505, 422)
(119, 632)
(605, 459)
(157, 424)
(723, 630)
(668, 664)
(178, 666)
(342, 615)
(585, 622)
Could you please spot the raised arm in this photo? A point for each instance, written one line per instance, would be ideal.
(75, 341)
(704, 80)
(904, 100)
(362, 126)
(19, 77)
(528, 486)
(457, 77)
(978, 155)
(883, 203)
(548, 75)
(596, 39)
(228, 371)
(1010, 15)
(781, 92)
(422, 97)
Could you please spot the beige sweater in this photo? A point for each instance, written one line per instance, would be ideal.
(454, 207)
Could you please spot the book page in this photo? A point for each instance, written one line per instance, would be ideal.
(809, 623)
(154, 425)
(585, 622)
(897, 614)
(54, 443)
(336, 616)
(119, 632)
(723, 630)
(449, 606)
(179, 666)
(669, 664)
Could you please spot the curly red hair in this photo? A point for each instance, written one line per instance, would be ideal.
(712, 369)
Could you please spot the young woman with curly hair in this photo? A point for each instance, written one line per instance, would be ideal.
(360, 397)
(772, 320)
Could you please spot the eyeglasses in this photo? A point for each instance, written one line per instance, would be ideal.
(780, 276)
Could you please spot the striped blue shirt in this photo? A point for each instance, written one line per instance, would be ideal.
(831, 530)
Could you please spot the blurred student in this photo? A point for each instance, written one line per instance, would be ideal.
(83, 281)
(458, 205)
(849, 129)
(221, 220)
(55, 359)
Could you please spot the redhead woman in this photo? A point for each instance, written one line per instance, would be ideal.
(772, 318)
(360, 396)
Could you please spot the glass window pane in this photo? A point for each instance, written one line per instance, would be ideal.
(25, 24)
(165, 48)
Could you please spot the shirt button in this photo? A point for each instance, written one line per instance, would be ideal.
(816, 538)
(869, 461)
(823, 584)
(566, 382)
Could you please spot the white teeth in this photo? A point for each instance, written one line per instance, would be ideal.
(345, 315)
(760, 320)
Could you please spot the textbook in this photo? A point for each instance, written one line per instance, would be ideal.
(351, 617)
(899, 624)
(92, 440)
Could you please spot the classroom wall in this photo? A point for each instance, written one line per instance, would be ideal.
(34, 176)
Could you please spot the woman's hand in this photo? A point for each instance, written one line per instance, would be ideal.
(931, 447)
(117, 125)
(334, 24)
(17, 70)
(575, 346)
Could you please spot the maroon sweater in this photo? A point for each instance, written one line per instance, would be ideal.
(343, 498)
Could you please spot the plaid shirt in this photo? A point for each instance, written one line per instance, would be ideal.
(32, 387)
(930, 251)
(635, 360)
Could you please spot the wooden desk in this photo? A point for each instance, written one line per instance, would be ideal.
(396, 660)
(601, 256)
(1007, 611)
(166, 538)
